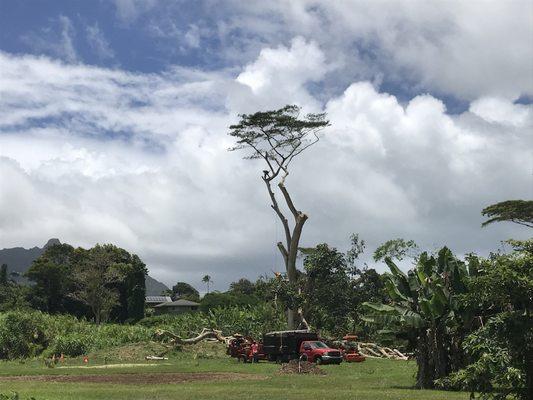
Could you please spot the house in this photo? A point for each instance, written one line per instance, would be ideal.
(179, 306)
(152, 301)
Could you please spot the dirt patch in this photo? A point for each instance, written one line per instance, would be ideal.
(139, 379)
(304, 367)
(111, 366)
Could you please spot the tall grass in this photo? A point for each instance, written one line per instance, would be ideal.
(31, 334)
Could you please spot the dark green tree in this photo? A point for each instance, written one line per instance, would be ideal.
(517, 211)
(326, 292)
(12, 295)
(242, 286)
(396, 249)
(277, 137)
(3, 275)
(182, 290)
(95, 278)
(224, 300)
(501, 352)
(51, 275)
(131, 286)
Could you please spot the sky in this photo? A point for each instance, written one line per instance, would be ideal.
(114, 118)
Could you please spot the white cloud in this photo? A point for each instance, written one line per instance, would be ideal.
(462, 49)
(502, 111)
(129, 10)
(56, 40)
(98, 43)
(141, 160)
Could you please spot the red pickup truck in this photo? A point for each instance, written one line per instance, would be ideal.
(319, 352)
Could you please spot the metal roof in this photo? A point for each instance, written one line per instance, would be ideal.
(179, 303)
(158, 299)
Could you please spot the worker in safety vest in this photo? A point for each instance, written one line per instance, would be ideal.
(254, 349)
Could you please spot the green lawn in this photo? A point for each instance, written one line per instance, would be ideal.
(373, 379)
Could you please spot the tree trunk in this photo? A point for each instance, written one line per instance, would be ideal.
(529, 373)
(289, 251)
(424, 376)
(291, 320)
(441, 356)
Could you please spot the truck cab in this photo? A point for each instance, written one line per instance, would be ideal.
(319, 352)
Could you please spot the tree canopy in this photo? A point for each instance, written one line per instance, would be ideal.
(517, 211)
(277, 136)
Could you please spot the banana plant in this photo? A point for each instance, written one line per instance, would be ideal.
(424, 302)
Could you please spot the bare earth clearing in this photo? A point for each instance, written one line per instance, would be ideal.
(137, 378)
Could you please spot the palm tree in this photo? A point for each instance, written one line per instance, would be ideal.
(207, 280)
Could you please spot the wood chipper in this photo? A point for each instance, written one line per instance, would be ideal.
(350, 349)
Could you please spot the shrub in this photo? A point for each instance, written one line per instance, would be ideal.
(22, 334)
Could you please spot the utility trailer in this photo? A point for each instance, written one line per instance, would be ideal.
(283, 346)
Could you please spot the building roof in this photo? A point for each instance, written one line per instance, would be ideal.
(158, 299)
(179, 303)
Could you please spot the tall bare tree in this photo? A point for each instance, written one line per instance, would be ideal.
(277, 137)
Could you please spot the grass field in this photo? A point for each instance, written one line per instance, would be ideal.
(373, 379)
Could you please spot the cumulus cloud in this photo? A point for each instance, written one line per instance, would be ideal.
(91, 154)
(461, 49)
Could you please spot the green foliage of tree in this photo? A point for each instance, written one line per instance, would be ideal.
(130, 285)
(79, 281)
(52, 276)
(22, 335)
(3, 275)
(94, 278)
(208, 281)
(242, 286)
(424, 303)
(517, 211)
(277, 137)
(227, 299)
(326, 291)
(183, 290)
(396, 249)
(501, 351)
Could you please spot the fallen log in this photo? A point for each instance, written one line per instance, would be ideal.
(205, 334)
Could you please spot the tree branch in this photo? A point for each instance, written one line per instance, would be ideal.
(288, 200)
(283, 251)
(275, 207)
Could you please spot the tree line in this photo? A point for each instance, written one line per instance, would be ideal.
(102, 283)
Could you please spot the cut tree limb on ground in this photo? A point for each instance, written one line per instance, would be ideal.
(205, 334)
(372, 350)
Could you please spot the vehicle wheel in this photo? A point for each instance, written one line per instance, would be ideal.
(304, 357)
(318, 360)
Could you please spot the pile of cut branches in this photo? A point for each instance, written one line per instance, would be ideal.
(372, 350)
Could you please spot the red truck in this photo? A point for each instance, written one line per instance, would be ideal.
(284, 346)
(319, 352)
(290, 345)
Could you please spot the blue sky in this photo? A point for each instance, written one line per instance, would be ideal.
(151, 37)
(113, 121)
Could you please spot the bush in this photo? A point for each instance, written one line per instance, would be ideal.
(22, 334)
(72, 345)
